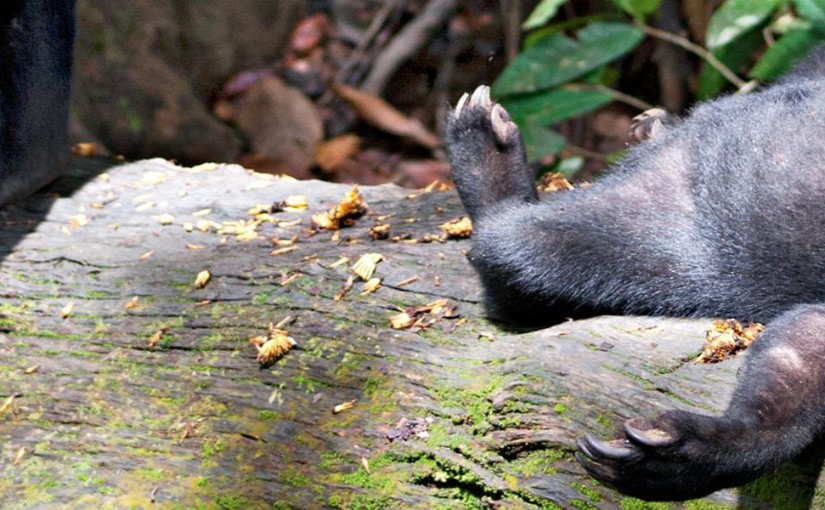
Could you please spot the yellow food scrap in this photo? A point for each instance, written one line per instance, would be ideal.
(365, 266)
(78, 220)
(371, 285)
(131, 304)
(281, 251)
(460, 228)
(147, 255)
(553, 181)
(202, 212)
(344, 213)
(726, 338)
(273, 345)
(344, 406)
(84, 149)
(202, 279)
(417, 318)
(165, 219)
(8, 403)
(19, 457)
(66, 310)
(380, 231)
(296, 203)
(344, 289)
(156, 338)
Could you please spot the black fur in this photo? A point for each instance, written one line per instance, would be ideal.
(720, 214)
(36, 38)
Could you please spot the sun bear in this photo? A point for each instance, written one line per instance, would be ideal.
(720, 214)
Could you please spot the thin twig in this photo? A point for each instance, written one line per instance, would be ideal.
(701, 52)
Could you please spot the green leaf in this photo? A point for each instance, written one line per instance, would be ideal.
(813, 11)
(558, 59)
(711, 81)
(639, 9)
(735, 17)
(541, 142)
(552, 106)
(782, 56)
(545, 10)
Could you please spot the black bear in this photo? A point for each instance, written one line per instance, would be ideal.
(36, 38)
(720, 214)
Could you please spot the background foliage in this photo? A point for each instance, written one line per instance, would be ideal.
(575, 58)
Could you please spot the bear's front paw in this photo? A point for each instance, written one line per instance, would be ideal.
(675, 456)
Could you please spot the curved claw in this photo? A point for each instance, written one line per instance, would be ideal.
(502, 126)
(461, 102)
(481, 97)
(599, 450)
(653, 437)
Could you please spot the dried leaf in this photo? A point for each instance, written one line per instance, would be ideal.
(382, 115)
(202, 279)
(333, 152)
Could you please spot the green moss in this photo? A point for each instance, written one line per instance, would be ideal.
(560, 408)
(269, 415)
(371, 385)
(591, 493)
(211, 447)
(231, 502)
(638, 504)
(294, 478)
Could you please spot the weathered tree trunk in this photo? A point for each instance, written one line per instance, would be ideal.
(461, 414)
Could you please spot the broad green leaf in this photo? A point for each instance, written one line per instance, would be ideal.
(568, 167)
(552, 106)
(541, 141)
(813, 11)
(781, 57)
(734, 56)
(558, 59)
(545, 10)
(639, 9)
(735, 17)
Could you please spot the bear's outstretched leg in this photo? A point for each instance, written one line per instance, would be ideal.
(36, 40)
(775, 412)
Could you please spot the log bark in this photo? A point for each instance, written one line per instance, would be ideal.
(460, 414)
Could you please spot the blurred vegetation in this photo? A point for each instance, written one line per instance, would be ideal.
(579, 56)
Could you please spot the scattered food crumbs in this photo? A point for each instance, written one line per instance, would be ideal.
(344, 213)
(156, 338)
(131, 304)
(188, 227)
(289, 278)
(344, 406)
(366, 264)
(272, 346)
(194, 247)
(203, 303)
(202, 279)
(365, 464)
(460, 228)
(144, 206)
(147, 255)
(66, 311)
(487, 336)
(202, 212)
(32, 369)
(339, 262)
(726, 338)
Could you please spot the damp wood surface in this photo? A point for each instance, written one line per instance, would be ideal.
(125, 385)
